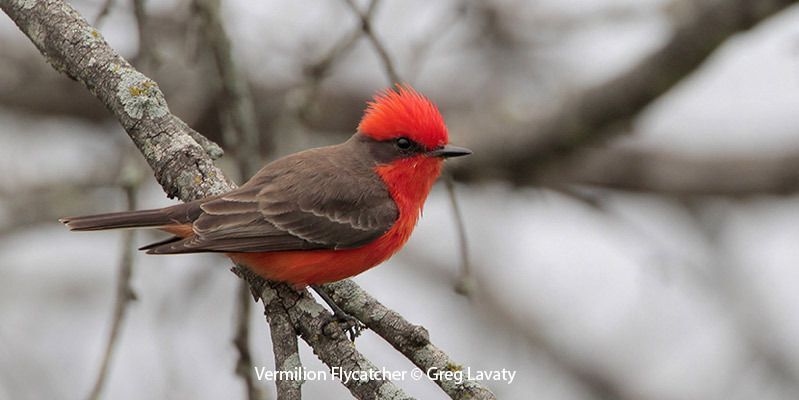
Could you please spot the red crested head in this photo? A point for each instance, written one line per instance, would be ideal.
(404, 113)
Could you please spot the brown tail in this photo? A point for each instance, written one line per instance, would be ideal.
(117, 220)
(178, 214)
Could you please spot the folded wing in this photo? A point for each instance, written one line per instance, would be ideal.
(296, 203)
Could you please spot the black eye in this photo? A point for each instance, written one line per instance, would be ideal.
(404, 143)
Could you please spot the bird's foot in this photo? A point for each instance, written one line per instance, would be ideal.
(352, 327)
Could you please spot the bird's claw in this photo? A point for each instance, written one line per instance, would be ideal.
(352, 326)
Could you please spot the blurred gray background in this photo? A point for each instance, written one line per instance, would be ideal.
(659, 263)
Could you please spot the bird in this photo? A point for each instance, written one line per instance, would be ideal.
(318, 215)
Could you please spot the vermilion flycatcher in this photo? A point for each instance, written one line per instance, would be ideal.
(319, 215)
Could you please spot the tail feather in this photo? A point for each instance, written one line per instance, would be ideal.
(117, 220)
(160, 217)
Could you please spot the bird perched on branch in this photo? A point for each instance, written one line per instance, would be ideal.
(319, 215)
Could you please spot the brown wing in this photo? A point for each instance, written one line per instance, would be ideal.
(310, 200)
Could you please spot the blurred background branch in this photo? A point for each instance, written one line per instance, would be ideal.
(129, 180)
(602, 112)
(675, 174)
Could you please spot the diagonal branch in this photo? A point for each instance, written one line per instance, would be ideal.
(413, 341)
(72, 46)
(321, 331)
(366, 26)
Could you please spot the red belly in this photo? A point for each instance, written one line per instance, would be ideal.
(312, 267)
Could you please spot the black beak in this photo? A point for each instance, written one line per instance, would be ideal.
(449, 151)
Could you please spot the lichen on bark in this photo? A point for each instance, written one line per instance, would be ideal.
(140, 96)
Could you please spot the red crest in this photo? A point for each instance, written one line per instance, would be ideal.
(404, 113)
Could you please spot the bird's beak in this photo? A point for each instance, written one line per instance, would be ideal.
(449, 151)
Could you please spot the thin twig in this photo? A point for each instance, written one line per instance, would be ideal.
(237, 111)
(317, 72)
(124, 292)
(241, 340)
(104, 10)
(466, 281)
(366, 26)
(424, 46)
(147, 57)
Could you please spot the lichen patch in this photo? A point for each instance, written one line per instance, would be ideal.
(140, 96)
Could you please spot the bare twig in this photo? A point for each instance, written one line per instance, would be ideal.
(423, 46)
(366, 26)
(316, 73)
(466, 282)
(148, 56)
(244, 364)
(104, 10)
(72, 46)
(124, 292)
(238, 111)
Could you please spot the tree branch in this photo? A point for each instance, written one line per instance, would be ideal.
(413, 341)
(321, 331)
(73, 47)
(284, 346)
